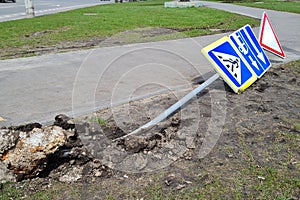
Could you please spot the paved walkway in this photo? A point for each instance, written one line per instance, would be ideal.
(38, 88)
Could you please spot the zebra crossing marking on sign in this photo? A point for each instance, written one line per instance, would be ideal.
(230, 64)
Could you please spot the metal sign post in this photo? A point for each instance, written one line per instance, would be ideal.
(173, 108)
(29, 8)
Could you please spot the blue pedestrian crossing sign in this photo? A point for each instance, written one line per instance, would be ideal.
(230, 64)
(246, 42)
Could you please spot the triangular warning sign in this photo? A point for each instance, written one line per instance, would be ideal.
(232, 64)
(267, 37)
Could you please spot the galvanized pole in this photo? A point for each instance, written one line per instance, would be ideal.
(173, 108)
(29, 8)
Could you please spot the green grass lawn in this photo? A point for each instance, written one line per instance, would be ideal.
(106, 20)
(280, 5)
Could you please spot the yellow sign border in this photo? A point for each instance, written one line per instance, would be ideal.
(217, 43)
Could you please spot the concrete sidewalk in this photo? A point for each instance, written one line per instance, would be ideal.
(38, 88)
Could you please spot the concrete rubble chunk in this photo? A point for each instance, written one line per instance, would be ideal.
(28, 157)
(8, 139)
(31, 151)
(5, 173)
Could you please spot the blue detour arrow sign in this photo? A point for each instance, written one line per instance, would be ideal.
(245, 40)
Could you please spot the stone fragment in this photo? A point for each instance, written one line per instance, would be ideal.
(8, 140)
(135, 144)
(5, 173)
(30, 154)
(64, 122)
(73, 175)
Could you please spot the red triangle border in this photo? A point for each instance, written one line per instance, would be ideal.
(263, 21)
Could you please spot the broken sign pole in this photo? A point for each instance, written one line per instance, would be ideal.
(174, 107)
(232, 61)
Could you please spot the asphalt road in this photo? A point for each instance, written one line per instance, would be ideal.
(38, 88)
(12, 11)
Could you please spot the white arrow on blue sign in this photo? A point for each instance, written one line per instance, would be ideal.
(245, 40)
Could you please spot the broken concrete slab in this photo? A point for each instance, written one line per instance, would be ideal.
(31, 150)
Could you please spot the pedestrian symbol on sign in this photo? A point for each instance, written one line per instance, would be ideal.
(232, 64)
